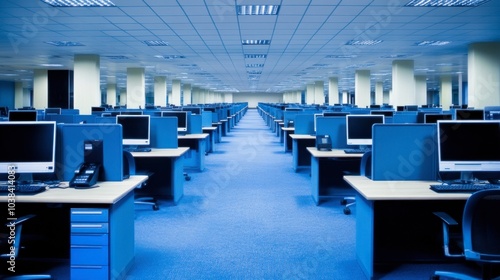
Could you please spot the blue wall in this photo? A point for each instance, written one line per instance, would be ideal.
(7, 93)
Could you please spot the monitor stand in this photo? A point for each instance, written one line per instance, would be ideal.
(25, 177)
(466, 177)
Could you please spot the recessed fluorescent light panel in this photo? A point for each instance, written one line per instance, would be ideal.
(79, 3)
(255, 42)
(155, 43)
(254, 65)
(64, 43)
(342, 56)
(445, 3)
(433, 43)
(363, 42)
(169, 57)
(255, 55)
(253, 10)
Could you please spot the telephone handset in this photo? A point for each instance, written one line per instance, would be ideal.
(86, 175)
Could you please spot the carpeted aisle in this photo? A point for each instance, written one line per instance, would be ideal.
(248, 215)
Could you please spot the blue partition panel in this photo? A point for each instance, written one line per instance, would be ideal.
(70, 111)
(304, 124)
(194, 124)
(105, 119)
(289, 116)
(163, 132)
(404, 152)
(410, 117)
(60, 118)
(335, 127)
(69, 153)
(84, 118)
(206, 119)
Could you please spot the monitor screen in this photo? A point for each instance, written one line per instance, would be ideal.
(135, 129)
(469, 114)
(335, 114)
(182, 118)
(469, 146)
(130, 113)
(387, 113)
(29, 148)
(433, 118)
(22, 115)
(359, 128)
(53, 111)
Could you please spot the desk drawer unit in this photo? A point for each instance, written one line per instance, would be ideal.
(89, 243)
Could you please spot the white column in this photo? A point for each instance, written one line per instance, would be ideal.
(310, 94)
(18, 95)
(40, 89)
(345, 97)
(483, 74)
(160, 91)
(123, 97)
(228, 97)
(176, 92)
(186, 94)
(379, 93)
(445, 92)
(87, 81)
(111, 94)
(136, 88)
(362, 88)
(403, 83)
(333, 90)
(421, 90)
(319, 92)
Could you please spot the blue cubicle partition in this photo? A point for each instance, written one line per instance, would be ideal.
(304, 123)
(405, 117)
(105, 119)
(206, 119)
(404, 152)
(289, 116)
(336, 128)
(194, 124)
(60, 118)
(70, 111)
(69, 153)
(163, 133)
(84, 118)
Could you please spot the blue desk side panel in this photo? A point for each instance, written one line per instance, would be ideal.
(304, 123)
(60, 118)
(289, 116)
(69, 153)
(194, 125)
(410, 117)
(105, 119)
(84, 118)
(163, 132)
(70, 111)
(206, 119)
(336, 128)
(404, 152)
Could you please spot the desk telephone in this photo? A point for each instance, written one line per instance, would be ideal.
(86, 175)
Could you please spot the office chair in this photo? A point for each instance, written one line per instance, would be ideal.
(480, 236)
(129, 162)
(15, 227)
(365, 169)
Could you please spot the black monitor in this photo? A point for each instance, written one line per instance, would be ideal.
(22, 115)
(193, 110)
(434, 118)
(468, 146)
(131, 113)
(411, 108)
(4, 111)
(53, 111)
(469, 114)
(387, 113)
(359, 128)
(374, 106)
(400, 108)
(135, 129)
(27, 147)
(182, 119)
(335, 114)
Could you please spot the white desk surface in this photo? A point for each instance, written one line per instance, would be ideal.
(193, 136)
(399, 190)
(334, 153)
(288, 128)
(162, 152)
(106, 193)
(209, 128)
(303, 136)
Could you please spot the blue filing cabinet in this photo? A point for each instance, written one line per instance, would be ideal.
(89, 243)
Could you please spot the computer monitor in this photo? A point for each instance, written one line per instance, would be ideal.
(335, 114)
(97, 110)
(22, 115)
(387, 113)
(359, 128)
(182, 119)
(433, 118)
(4, 111)
(131, 113)
(468, 146)
(135, 129)
(29, 147)
(193, 110)
(469, 114)
(53, 111)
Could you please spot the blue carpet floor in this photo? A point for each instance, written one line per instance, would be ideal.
(248, 215)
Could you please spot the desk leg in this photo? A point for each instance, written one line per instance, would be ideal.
(364, 235)
(315, 179)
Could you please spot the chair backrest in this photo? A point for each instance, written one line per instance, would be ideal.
(481, 226)
(365, 168)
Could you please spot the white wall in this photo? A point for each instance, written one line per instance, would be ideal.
(253, 98)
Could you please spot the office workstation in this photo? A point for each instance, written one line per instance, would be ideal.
(92, 69)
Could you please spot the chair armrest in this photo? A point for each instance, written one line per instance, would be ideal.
(448, 224)
(446, 218)
(19, 220)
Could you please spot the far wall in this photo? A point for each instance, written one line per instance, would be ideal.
(253, 98)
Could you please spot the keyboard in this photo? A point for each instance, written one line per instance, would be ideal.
(356, 151)
(138, 150)
(24, 188)
(465, 187)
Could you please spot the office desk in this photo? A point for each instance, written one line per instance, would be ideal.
(196, 143)
(287, 141)
(113, 202)
(225, 127)
(322, 181)
(211, 131)
(301, 157)
(166, 169)
(395, 224)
